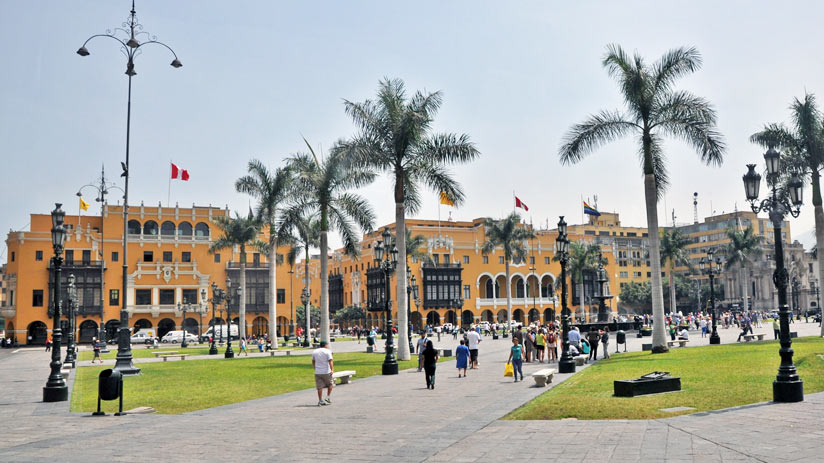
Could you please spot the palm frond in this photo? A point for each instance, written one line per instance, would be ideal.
(674, 64)
(596, 131)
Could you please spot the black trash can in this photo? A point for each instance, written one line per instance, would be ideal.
(621, 337)
(109, 387)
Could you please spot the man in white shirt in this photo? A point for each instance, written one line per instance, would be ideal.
(575, 338)
(324, 368)
(474, 339)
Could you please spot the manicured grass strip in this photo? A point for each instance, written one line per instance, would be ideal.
(140, 351)
(712, 377)
(184, 386)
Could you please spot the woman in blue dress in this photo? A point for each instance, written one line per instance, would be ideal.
(462, 355)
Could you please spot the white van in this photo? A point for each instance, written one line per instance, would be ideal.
(177, 336)
(220, 333)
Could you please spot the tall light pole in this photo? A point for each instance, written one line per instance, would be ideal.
(218, 295)
(787, 386)
(229, 354)
(567, 363)
(183, 343)
(304, 298)
(55, 389)
(72, 317)
(713, 268)
(411, 292)
(131, 47)
(102, 190)
(387, 259)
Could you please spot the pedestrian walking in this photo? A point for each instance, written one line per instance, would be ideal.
(474, 340)
(776, 328)
(462, 357)
(605, 342)
(593, 337)
(540, 345)
(48, 343)
(96, 348)
(516, 359)
(430, 362)
(324, 366)
(421, 346)
(243, 347)
(552, 340)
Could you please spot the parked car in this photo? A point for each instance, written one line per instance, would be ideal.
(141, 338)
(177, 336)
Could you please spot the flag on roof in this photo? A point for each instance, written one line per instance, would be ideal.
(590, 210)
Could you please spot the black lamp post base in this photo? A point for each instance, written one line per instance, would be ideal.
(389, 368)
(213, 349)
(788, 391)
(715, 339)
(55, 394)
(230, 354)
(566, 366)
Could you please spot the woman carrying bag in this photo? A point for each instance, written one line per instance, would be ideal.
(430, 361)
(516, 358)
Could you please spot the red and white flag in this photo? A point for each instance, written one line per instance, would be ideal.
(183, 173)
(519, 203)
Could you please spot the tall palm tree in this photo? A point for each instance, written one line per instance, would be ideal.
(395, 136)
(324, 186)
(272, 190)
(743, 246)
(674, 254)
(804, 145)
(583, 258)
(241, 232)
(654, 109)
(508, 234)
(304, 230)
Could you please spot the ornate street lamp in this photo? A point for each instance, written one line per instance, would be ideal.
(567, 363)
(713, 268)
(71, 316)
(131, 47)
(55, 389)
(304, 298)
(217, 298)
(387, 259)
(411, 292)
(787, 386)
(183, 343)
(229, 354)
(102, 190)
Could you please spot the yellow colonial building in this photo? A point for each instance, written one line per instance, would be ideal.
(169, 265)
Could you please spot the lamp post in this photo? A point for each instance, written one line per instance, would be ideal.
(217, 298)
(229, 354)
(712, 266)
(291, 307)
(55, 389)
(131, 47)
(411, 292)
(304, 298)
(102, 190)
(387, 260)
(796, 285)
(567, 363)
(183, 343)
(72, 302)
(787, 386)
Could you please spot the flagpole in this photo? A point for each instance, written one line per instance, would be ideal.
(582, 209)
(169, 191)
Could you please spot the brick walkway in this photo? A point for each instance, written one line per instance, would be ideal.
(394, 417)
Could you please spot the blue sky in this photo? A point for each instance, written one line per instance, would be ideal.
(258, 75)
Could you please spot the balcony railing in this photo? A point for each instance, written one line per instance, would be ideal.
(440, 265)
(249, 265)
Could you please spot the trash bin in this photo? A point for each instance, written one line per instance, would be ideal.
(621, 337)
(109, 387)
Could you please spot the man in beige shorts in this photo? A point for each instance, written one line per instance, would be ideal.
(324, 368)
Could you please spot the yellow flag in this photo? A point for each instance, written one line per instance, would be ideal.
(84, 205)
(445, 200)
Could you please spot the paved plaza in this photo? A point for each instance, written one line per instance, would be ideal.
(397, 419)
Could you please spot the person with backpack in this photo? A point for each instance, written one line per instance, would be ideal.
(552, 344)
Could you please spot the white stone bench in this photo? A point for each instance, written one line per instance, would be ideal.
(166, 356)
(344, 376)
(542, 377)
(169, 352)
(752, 337)
(680, 342)
(580, 360)
(273, 352)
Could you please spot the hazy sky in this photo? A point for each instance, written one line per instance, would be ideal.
(259, 74)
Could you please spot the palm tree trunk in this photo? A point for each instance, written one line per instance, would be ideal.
(745, 287)
(273, 295)
(659, 334)
(307, 307)
(242, 297)
(400, 273)
(581, 300)
(324, 285)
(672, 290)
(819, 230)
(508, 297)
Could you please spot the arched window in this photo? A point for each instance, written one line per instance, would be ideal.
(134, 227)
(489, 289)
(201, 229)
(167, 229)
(150, 228)
(184, 229)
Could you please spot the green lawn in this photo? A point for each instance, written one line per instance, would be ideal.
(140, 351)
(712, 377)
(179, 387)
